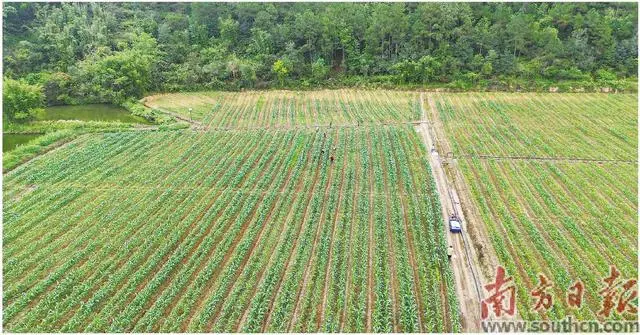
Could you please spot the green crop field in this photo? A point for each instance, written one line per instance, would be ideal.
(263, 218)
(284, 109)
(239, 230)
(249, 167)
(553, 179)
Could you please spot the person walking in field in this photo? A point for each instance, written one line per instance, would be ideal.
(332, 157)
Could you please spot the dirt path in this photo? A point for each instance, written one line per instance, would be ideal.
(463, 263)
(549, 159)
(194, 124)
(482, 250)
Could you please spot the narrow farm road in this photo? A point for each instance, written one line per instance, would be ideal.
(467, 282)
(196, 125)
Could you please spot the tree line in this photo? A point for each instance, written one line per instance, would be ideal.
(110, 52)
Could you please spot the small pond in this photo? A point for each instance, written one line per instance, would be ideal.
(97, 112)
(11, 141)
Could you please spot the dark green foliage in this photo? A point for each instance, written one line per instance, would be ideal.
(20, 101)
(109, 52)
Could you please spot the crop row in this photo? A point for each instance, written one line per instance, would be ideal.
(284, 109)
(574, 125)
(227, 231)
(567, 220)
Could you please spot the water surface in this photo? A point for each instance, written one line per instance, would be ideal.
(11, 141)
(97, 112)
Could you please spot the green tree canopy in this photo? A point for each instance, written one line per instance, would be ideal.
(188, 46)
(21, 101)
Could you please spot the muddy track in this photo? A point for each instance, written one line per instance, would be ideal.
(439, 134)
(295, 243)
(321, 310)
(483, 253)
(496, 219)
(482, 249)
(194, 124)
(307, 271)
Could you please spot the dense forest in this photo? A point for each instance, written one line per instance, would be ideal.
(110, 52)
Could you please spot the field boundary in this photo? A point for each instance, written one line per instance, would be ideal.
(195, 124)
(538, 158)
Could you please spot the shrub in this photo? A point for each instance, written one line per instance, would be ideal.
(21, 101)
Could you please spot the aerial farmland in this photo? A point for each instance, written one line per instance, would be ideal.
(264, 217)
(419, 167)
(552, 177)
(326, 228)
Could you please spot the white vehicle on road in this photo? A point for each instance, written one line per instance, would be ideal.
(454, 224)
